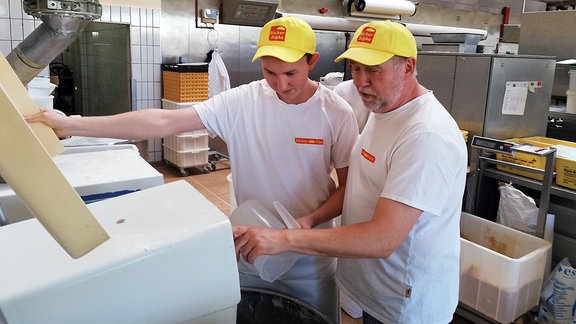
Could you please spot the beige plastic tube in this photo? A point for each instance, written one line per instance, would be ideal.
(27, 166)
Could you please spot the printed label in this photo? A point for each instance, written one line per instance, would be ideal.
(368, 156)
(367, 35)
(314, 141)
(277, 34)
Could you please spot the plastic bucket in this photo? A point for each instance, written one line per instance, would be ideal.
(259, 306)
(269, 267)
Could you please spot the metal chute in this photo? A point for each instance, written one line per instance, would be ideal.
(62, 22)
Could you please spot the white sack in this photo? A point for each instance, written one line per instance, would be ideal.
(517, 210)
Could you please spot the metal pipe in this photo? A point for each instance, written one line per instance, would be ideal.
(62, 22)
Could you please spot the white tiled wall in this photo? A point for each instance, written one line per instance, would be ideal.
(16, 25)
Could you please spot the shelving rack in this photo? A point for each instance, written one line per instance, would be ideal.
(485, 168)
(184, 85)
(544, 186)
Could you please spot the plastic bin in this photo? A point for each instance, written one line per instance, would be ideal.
(44, 102)
(565, 166)
(188, 141)
(259, 306)
(269, 267)
(565, 160)
(186, 159)
(172, 105)
(501, 269)
(40, 87)
(185, 82)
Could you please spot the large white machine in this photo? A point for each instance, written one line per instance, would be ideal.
(170, 259)
(96, 173)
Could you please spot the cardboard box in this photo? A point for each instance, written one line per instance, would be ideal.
(501, 269)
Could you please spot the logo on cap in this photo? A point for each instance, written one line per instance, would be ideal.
(367, 35)
(277, 34)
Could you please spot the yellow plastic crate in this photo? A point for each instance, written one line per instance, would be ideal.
(185, 82)
(525, 159)
(185, 86)
(565, 160)
(565, 165)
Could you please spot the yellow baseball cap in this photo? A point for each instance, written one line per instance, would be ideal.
(376, 42)
(287, 39)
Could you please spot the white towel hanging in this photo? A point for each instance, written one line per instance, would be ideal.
(218, 78)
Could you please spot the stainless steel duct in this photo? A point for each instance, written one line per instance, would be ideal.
(62, 22)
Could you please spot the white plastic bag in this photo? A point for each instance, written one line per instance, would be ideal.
(516, 210)
(558, 297)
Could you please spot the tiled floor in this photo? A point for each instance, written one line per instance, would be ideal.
(213, 185)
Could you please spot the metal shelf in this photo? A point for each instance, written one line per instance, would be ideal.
(555, 190)
(544, 185)
(487, 168)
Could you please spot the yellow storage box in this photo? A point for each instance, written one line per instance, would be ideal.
(565, 160)
(534, 161)
(185, 82)
(565, 166)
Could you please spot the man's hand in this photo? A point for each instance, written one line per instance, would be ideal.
(253, 241)
(50, 118)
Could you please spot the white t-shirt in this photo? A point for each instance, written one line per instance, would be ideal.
(282, 151)
(348, 91)
(285, 152)
(415, 155)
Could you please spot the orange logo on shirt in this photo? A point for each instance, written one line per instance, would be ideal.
(367, 35)
(277, 33)
(314, 141)
(368, 156)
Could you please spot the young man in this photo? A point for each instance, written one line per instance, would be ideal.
(399, 244)
(285, 135)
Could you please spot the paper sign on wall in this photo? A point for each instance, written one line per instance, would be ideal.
(515, 98)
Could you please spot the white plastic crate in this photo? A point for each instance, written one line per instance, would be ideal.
(186, 159)
(188, 141)
(172, 105)
(501, 269)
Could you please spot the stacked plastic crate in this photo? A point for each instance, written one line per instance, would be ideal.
(184, 85)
